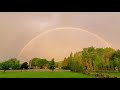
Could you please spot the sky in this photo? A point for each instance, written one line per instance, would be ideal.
(17, 29)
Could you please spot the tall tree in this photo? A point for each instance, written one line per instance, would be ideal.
(52, 65)
(5, 66)
(115, 59)
(14, 63)
(24, 66)
(41, 63)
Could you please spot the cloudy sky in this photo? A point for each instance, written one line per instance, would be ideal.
(17, 29)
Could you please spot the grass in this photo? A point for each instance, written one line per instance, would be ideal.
(43, 75)
(115, 74)
(49, 74)
(112, 74)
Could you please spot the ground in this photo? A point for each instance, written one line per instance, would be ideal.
(43, 75)
(114, 74)
(37, 73)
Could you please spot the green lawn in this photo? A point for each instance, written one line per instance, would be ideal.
(43, 75)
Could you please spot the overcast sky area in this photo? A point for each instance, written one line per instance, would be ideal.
(17, 29)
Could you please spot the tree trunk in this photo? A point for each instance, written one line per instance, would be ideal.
(114, 68)
(119, 69)
(4, 70)
(105, 70)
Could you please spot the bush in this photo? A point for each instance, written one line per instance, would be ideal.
(81, 69)
(66, 68)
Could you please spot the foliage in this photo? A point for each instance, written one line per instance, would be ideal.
(14, 63)
(24, 65)
(92, 58)
(40, 63)
(89, 59)
(5, 65)
(52, 65)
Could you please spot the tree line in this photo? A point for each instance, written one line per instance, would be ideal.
(89, 59)
(93, 59)
(38, 63)
(14, 64)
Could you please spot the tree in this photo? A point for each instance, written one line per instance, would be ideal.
(115, 59)
(56, 64)
(30, 67)
(0, 66)
(75, 64)
(108, 52)
(24, 66)
(37, 62)
(34, 62)
(16, 66)
(65, 63)
(14, 63)
(117, 63)
(41, 63)
(5, 66)
(52, 65)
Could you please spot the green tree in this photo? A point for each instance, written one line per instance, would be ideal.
(37, 62)
(0, 66)
(65, 63)
(52, 65)
(34, 62)
(14, 63)
(108, 52)
(115, 60)
(5, 66)
(24, 66)
(117, 63)
(41, 63)
(16, 66)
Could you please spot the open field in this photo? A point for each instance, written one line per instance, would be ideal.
(46, 74)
